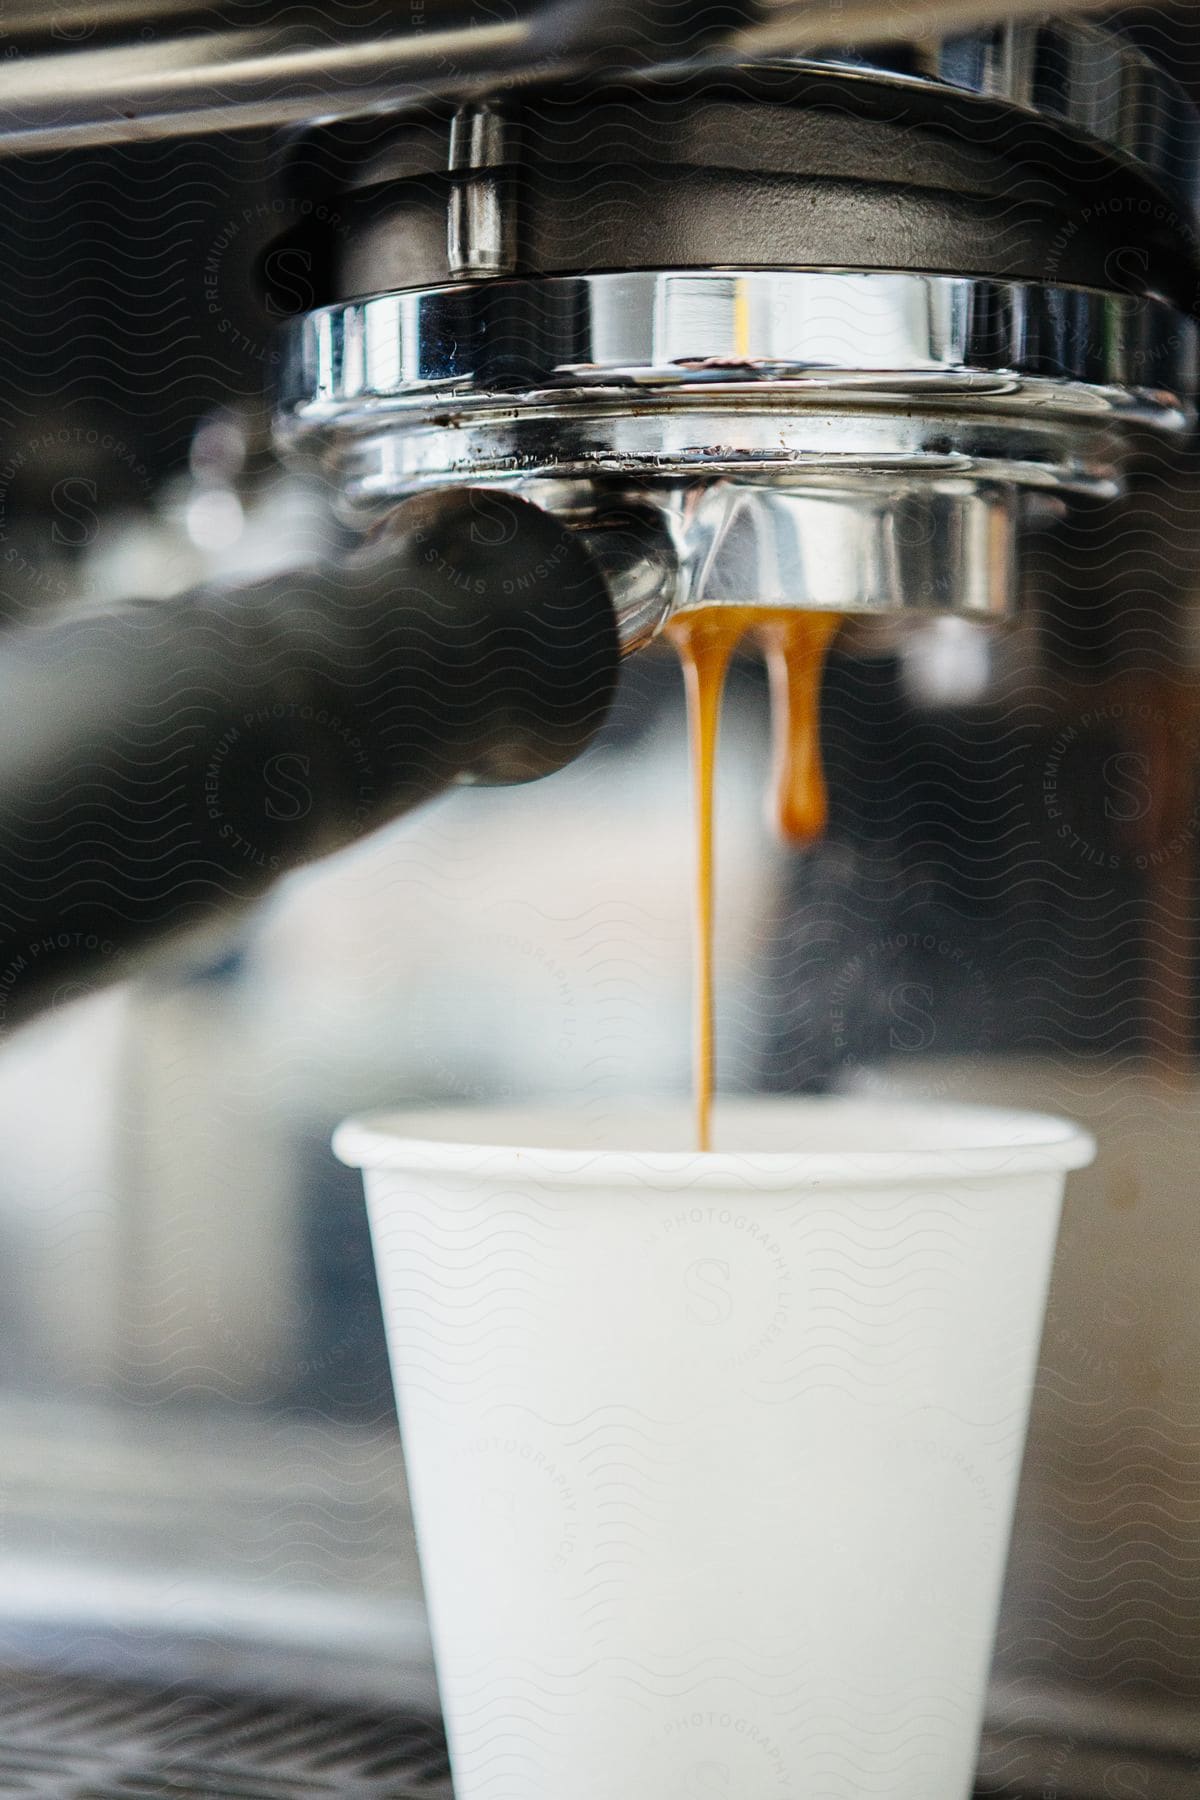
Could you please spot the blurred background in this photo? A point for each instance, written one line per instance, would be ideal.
(201, 1471)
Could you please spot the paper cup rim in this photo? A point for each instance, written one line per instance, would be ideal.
(962, 1142)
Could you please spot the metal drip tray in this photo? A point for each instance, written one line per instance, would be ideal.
(204, 1607)
(78, 1738)
(92, 1740)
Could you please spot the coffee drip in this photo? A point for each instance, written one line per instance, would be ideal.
(795, 645)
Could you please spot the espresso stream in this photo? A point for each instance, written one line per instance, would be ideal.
(795, 646)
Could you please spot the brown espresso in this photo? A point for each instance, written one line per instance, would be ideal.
(795, 645)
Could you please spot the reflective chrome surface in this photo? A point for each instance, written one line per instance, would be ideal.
(83, 18)
(813, 333)
(277, 74)
(867, 546)
(874, 545)
(636, 548)
(823, 439)
(787, 24)
(71, 80)
(656, 441)
(131, 74)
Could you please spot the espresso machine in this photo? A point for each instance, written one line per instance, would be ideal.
(549, 321)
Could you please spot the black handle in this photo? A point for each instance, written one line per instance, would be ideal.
(165, 761)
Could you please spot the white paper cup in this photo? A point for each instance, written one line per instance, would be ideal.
(713, 1458)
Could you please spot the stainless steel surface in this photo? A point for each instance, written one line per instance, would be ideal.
(243, 77)
(113, 1740)
(788, 24)
(875, 546)
(825, 439)
(789, 337)
(659, 444)
(63, 91)
(639, 556)
(30, 19)
(215, 1543)
(481, 235)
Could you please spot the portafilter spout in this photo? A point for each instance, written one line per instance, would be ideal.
(856, 442)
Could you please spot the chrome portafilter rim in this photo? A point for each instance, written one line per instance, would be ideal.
(861, 442)
(470, 349)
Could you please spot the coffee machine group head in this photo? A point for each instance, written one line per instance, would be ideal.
(594, 340)
(834, 333)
